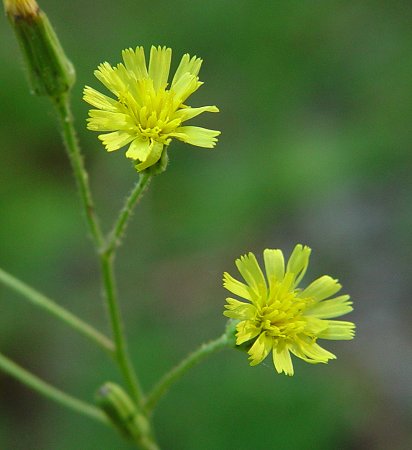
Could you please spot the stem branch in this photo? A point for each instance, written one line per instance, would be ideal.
(178, 371)
(40, 300)
(38, 385)
(132, 200)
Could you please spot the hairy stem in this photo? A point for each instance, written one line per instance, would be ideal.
(131, 201)
(76, 160)
(178, 371)
(106, 259)
(106, 250)
(40, 386)
(40, 300)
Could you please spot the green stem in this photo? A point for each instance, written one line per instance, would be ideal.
(49, 391)
(178, 371)
(132, 200)
(121, 352)
(76, 160)
(106, 258)
(106, 252)
(40, 300)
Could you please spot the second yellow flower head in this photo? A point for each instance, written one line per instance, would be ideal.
(147, 113)
(280, 317)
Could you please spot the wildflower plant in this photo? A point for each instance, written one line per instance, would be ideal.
(144, 112)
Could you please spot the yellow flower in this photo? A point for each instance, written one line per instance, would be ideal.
(147, 113)
(281, 318)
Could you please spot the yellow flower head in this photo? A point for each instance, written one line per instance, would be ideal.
(147, 113)
(281, 318)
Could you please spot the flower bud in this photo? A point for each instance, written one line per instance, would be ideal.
(121, 411)
(50, 72)
(21, 8)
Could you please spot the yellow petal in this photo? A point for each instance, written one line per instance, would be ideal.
(260, 349)
(338, 330)
(282, 360)
(187, 65)
(274, 266)
(202, 137)
(99, 100)
(236, 287)
(245, 331)
(117, 139)
(250, 270)
(298, 262)
(188, 113)
(315, 326)
(109, 121)
(139, 149)
(109, 76)
(239, 310)
(155, 152)
(321, 288)
(186, 86)
(310, 351)
(135, 62)
(159, 66)
(328, 309)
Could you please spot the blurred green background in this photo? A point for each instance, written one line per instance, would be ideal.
(316, 110)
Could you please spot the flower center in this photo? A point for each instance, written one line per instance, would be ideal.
(150, 132)
(154, 113)
(282, 315)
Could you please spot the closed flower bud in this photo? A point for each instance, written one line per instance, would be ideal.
(121, 411)
(50, 72)
(21, 8)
